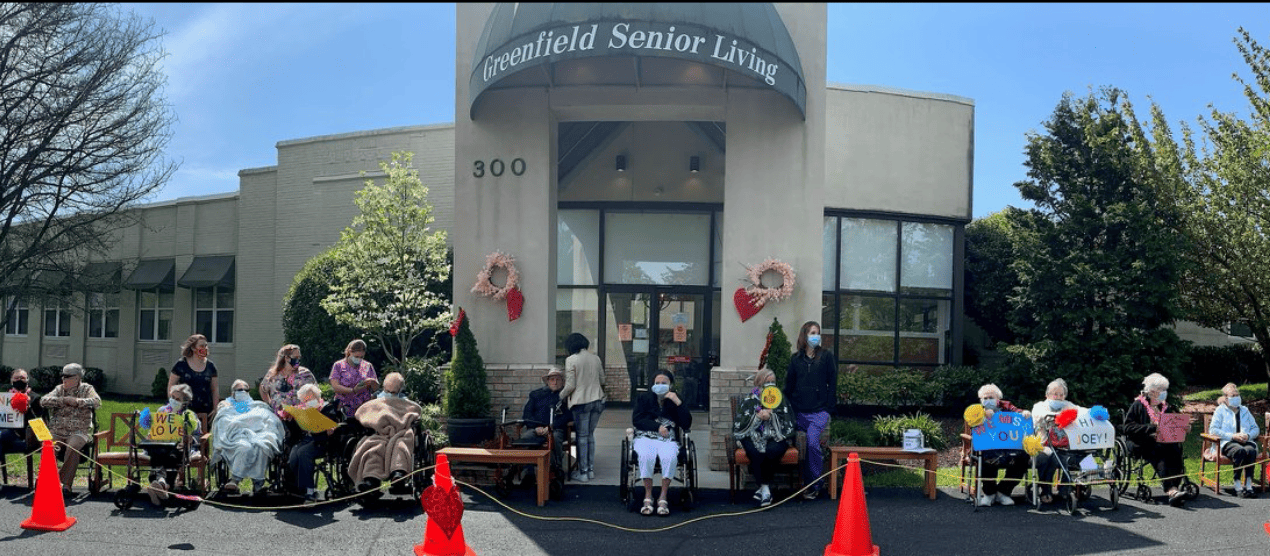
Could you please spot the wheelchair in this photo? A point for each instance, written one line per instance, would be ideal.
(1082, 481)
(685, 473)
(504, 475)
(1133, 468)
(158, 457)
(410, 488)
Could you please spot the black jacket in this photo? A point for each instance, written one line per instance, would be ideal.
(540, 405)
(648, 412)
(812, 384)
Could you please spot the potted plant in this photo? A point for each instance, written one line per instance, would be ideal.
(467, 402)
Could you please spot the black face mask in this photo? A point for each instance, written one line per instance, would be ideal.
(19, 385)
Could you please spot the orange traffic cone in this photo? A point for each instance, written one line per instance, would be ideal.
(444, 533)
(48, 512)
(851, 534)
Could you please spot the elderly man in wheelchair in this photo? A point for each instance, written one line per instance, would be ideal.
(545, 414)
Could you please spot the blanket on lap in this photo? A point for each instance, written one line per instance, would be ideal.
(247, 440)
(392, 444)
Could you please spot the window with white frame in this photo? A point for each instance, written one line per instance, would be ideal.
(57, 319)
(214, 313)
(155, 317)
(17, 313)
(103, 315)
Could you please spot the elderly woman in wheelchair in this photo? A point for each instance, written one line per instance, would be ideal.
(1055, 440)
(657, 415)
(1141, 423)
(1014, 462)
(246, 436)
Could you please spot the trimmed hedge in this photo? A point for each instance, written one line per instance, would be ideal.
(1215, 366)
(46, 378)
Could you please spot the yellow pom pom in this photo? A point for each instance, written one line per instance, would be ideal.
(1032, 444)
(974, 415)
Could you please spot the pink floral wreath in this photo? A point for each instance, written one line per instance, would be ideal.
(763, 294)
(487, 288)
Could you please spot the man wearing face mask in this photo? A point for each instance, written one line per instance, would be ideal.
(1141, 422)
(246, 435)
(812, 384)
(387, 451)
(20, 440)
(1234, 425)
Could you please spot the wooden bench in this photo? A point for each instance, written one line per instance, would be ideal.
(541, 458)
(838, 456)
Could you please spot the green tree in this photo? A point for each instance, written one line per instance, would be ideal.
(990, 281)
(392, 263)
(1220, 194)
(466, 396)
(306, 324)
(1098, 270)
(779, 352)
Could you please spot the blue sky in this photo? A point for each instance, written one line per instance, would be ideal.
(242, 77)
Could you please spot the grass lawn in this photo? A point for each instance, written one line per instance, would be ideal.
(16, 464)
(1248, 392)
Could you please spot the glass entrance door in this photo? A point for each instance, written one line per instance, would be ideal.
(664, 327)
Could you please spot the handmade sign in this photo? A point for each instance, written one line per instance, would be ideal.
(1173, 428)
(40, 430)
(1087, 433)
(771, 397)
(310, 419)
(1005, 430)
(10, 417)
(165, 427)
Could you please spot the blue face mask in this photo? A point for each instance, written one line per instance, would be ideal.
(1057, 405)
(661, 389)
(381, 395)
(176, 404)
(990, 403)
(1234, 401)
(355, 360)
(813, 340)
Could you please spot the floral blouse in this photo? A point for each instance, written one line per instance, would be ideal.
(348, 376)
(283, 389)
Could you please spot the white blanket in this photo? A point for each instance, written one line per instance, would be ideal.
(248, 440)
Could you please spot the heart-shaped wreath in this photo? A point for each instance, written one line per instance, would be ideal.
(509, 291)
(751, 299)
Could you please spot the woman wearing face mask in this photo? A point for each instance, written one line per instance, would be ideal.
(1014, 462)
(282, 383)
(353, 378)
(764, 433)
(302, 458)
(196, 370)
(812, 384)
(246, 435)
(1234, 425)
(657, 415)
(1141, 422)
(165, 460)
(1054, 438)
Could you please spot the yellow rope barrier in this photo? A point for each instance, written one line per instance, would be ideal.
(20, 458)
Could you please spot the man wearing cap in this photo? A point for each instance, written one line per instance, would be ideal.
(542, 403)
(72, 406)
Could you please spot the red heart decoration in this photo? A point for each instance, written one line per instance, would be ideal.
(745, 304)
(444, 507)
(515, 302)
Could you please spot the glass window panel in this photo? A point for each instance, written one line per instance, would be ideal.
(147, 325)
(828, 254)
(149, 299)
(224, 327)
(166, 300)
(50, 322)
(203, 298)
(63, 323)
(203, 323)
(95, 300)
(165, 325)
(96, 325)
(112, 323)
(577, 247)
(868, 255)
(656, 248)
(867, 328)
(577, 310)
(828, 320)
(718, 248)
(224, 298)
(110, 299)
(928, 259)
(924, 330)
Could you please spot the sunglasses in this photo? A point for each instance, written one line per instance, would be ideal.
(70, 376)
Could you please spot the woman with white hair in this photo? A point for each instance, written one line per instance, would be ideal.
(302, 459)
(1053, 437)
(246, 435)
(1014, 462)
(1141, 422)
(1235, 426)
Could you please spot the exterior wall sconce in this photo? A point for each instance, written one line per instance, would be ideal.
(621, 163)
(694, 164)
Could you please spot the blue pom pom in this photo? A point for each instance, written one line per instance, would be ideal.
(144, 421)
(1099, 412)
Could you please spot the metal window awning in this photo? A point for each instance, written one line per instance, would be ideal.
(206, 272)
(152, 274)
(101, 277)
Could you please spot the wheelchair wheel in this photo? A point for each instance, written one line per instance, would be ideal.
(623, 476)
(1122, 470)
(126, 496)
(94, 486)
(1143, 493)
(1191, 489)
(1083, 492)
(503, 485)
(1072, 501)
(686, 499)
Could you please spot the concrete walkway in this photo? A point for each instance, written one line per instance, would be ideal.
(608, 446)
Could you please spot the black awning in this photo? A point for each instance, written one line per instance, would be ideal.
(206, 272)
(101, 277)
(155, 273)
(746, 39)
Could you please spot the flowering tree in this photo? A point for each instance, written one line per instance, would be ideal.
(391, 263)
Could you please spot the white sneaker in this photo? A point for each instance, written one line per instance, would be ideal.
(1003, 500)
(582, 478)
(590, 474)
(984, 500)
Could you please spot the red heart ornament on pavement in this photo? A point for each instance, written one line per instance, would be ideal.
(515, 302)
(745, 304)
(444, 507)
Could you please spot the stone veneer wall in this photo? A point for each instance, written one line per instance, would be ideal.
(724, 383)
